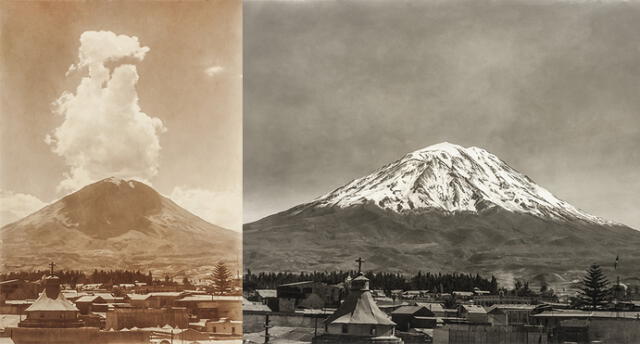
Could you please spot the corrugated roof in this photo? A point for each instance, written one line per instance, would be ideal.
(512, 307)
(434, 307)
(267, 293)
(138, 297)
(295, 284)
(407, 310)
(89, 298)
(211, 298)
(474, 309)
(359, 308)
(575, 313)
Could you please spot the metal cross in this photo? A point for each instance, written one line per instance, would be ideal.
(359, 261)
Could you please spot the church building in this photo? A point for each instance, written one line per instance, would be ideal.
(51, 309)
(358, 319)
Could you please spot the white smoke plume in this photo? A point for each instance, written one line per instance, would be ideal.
(104, 132)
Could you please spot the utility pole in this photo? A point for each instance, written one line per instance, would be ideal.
(266, 329)
(315, 328)
(615, 302)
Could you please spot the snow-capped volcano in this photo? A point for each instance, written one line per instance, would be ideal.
(441, 208)
(451, 178)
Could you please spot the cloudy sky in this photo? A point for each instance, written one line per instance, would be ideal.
(143, 90)
(336, 89)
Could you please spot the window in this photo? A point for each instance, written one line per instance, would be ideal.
(345, 328)
(372, 331)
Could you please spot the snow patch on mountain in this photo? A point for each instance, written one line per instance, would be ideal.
(451, 178)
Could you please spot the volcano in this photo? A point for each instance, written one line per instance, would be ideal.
(442, 208)
(116, 223)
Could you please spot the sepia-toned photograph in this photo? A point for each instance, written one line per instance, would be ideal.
(121, 172)
(447, 172)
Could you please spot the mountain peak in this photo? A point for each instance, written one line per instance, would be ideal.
(115, 221)
(118, 181)
(450, 178)
(442, 146)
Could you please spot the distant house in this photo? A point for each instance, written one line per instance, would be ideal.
(268, 297)
(299, 295)
(164, 299)
(407, 317)
(510, 314)
(118, 318)
(139, 300)
(478, 291)
(570, 325)
(109, 298)
(473, 314)
(18, 289)
(224, 326)
(212, 306)
(86, 303)
(254, 306)
(463, 295)
(436, 308)
(489, 300)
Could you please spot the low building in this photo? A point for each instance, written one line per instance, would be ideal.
(212, 306)
(224, 326)
(85, 303)
(473, 314)
(164, 298)
(18, 289)
(436, 308)
(139, 300)
(120, 318)
(505, 315)
(268, 297)
(566, 325)
(299, 295)
(407, 317)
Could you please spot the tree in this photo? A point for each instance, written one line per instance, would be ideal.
(595, 287)
(221, 279)
(186, 282)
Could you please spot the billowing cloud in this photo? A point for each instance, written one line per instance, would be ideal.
(220, 208)
(104, 132)
(14, 206)
(213, 70)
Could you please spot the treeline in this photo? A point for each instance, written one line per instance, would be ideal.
(73, 277)
(380, 280)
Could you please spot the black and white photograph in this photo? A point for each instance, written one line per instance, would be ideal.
(441, 171)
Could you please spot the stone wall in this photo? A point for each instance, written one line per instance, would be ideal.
(465, 334)
(624, 331)
(120, 318)
(253, 321)
(75, 336)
